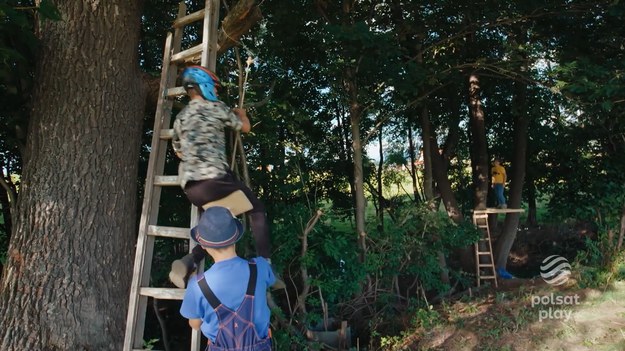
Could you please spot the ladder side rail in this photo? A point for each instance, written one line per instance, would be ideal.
(476, 218)
(196, 335)
(135, 323)
(154, 210)
(208, 60)
(144, 242)
(480, 246)
(165, 105)
(210, 34)
(492, 260)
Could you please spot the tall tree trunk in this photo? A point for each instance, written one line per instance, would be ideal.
(355, 115)
(413, 166)
(511, 223)
(621, 234)
(343, 124)
(532, 219)
(442, 182)
(359, 187)
(6, 204)
(444, 186)
(428, 183)
(479, 150)
(453, 137)
(381, 201)
(428, 151)
(67, 277)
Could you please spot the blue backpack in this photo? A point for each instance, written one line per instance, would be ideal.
(236, 328)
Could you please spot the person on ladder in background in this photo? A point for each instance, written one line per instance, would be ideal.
(220, 302)
(498, 182)
(199, 141)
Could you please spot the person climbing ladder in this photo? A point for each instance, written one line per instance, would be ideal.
(204, 174)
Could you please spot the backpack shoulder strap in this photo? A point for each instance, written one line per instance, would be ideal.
(208, 292)
(251, 284)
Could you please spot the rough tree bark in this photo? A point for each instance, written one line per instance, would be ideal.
(443, 184)
(442, 181)
(517, 175)
(66, 281)
(355, 115)
(413, 160)
(381, 200)
(621, 234)
(532, 219)
(428, 184)
(428, 181)
(479, 149)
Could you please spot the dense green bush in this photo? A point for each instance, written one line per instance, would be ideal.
(401, 264)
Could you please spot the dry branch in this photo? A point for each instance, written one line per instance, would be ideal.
(240, 19)
(301, 298)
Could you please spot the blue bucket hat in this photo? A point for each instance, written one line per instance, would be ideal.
(217, 228)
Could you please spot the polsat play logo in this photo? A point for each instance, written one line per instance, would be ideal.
(555, 270)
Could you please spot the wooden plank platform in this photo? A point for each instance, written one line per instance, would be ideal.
(499, 210)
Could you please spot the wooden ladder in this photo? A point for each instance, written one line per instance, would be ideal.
(484, 251)
(173, 58)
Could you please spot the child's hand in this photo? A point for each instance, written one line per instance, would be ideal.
(239, 112)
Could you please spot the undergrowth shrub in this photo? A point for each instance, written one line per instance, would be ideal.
(401, 267)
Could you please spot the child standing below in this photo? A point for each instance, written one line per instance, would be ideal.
(498, 182)
(221, 302)
(199, 141)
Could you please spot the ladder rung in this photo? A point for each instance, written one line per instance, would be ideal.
(167, 134)
(163, 293)
(489, 265)
(166, 181)
(488, 277)
(483, 252)
(169, 232)
(187, 54)
(190, 18)
(176, 91)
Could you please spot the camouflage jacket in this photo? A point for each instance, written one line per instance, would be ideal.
(199, 139)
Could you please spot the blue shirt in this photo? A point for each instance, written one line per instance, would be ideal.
(228, 280)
